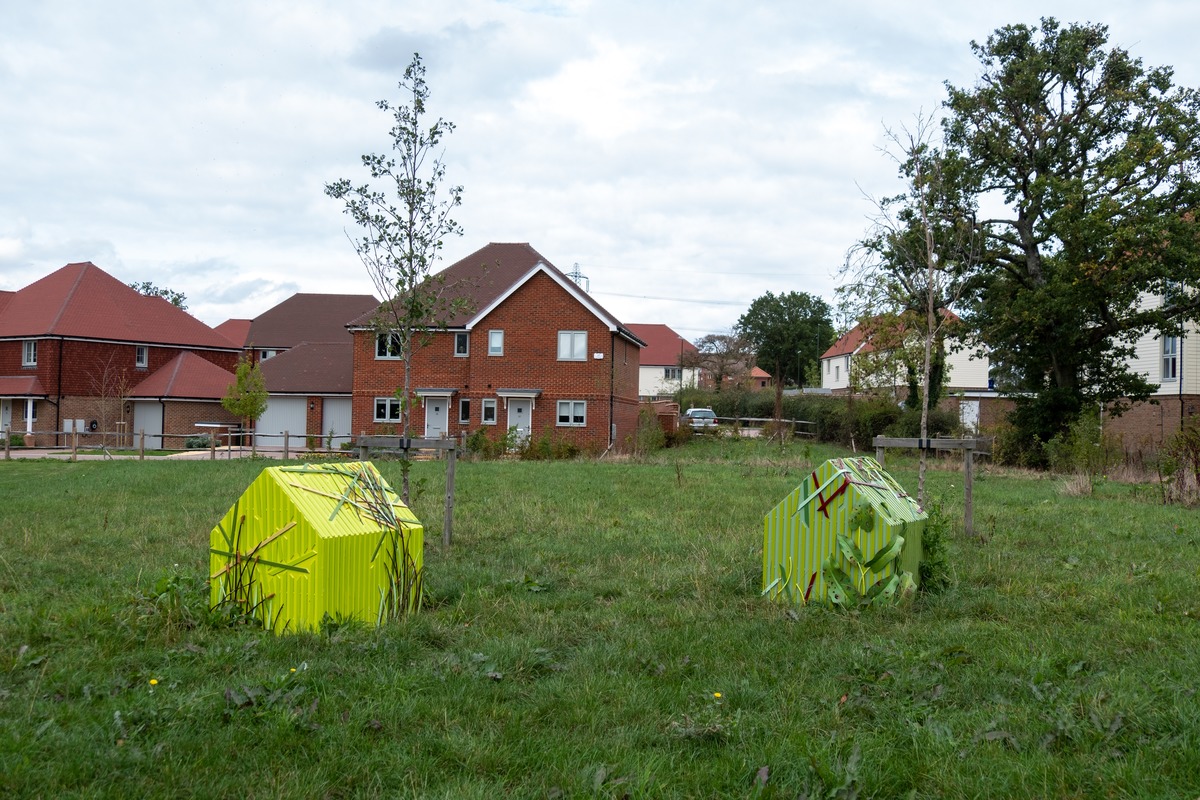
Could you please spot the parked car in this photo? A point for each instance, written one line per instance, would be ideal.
(700, 419)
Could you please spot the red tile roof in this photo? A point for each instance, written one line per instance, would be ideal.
(848, 342)
(235, 330)
(663, 345)
(21, 386)
(487, 276)
(311, 368)
(186, 377)
(308, 318)
(84, 301)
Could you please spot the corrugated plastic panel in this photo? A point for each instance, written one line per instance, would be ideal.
(800, 533)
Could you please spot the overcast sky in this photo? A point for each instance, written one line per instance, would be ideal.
(688, 156)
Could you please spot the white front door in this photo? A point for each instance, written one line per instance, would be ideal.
(520, 416)
(437, 414)
(968, 415)
(5, 414)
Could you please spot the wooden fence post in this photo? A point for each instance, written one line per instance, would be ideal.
(142, 444)
(285, 445)
(74, 443)
(448, 520)
(7, 442)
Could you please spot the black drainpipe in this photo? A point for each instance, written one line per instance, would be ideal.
(612, 393)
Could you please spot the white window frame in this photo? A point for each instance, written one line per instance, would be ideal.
(391, 409)
(389, 351)
(672, 373)
(496, 343)
(572, 345)
(465, 339)
(29, 353)
(485, 405)
(27, 404)
(574, 420)
(1169, 363)
(141, 356)
(263, 355)
(464, 410)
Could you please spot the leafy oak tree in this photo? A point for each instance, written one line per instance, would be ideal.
(1093, 160)
(787, 332)
(404, 220)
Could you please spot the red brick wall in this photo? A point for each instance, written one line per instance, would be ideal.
(1146, 426)
(96, 368)
(531, 319)
(180, 418)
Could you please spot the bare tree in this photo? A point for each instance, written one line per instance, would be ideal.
(724, 357)
(911, 267)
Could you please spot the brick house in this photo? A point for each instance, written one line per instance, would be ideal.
(77, 344)
(304, 350)
(533, 353)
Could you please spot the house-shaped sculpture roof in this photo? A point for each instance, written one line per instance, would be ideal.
(83, 301)
(850, 496)
(303, 542)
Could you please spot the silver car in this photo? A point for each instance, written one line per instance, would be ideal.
(700, 419)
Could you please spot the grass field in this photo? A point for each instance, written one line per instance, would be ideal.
(597, 631)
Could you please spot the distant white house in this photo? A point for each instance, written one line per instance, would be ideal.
(967, 376)
(661, 375)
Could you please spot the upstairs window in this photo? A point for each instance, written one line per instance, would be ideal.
(387, 345)
(462, 344)
(672, 373)
(572, 345)
(495, 343)
(263, 355)
(141, 356)
(1170, 358)
(29, 353)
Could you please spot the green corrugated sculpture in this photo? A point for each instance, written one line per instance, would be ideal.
(315, 540)
(849, 533)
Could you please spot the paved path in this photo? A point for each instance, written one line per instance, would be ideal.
(222, 454)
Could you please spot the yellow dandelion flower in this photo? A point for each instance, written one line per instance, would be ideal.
(717, 695)
(154, 681)
(293, 669)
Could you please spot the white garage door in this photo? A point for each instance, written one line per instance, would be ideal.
(147, 418)
(337, 419)
(282, 414)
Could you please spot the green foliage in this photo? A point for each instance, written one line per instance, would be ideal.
(788, 333)
(177, 299)
(198, 442)
(246, 397)
(649, 435)
(1084, 447)
(908, 424)
(1096, 159)
(1181, 467)
(935, 542)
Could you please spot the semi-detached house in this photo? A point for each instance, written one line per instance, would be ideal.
(531, 352)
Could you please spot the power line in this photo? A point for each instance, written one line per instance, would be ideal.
(677, 299)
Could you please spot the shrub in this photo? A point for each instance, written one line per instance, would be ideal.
(198, 442)
(1084, 447)
(649, 435)
(908, 425)
(1180, 467)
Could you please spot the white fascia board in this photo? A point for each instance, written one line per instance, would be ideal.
(568, 285)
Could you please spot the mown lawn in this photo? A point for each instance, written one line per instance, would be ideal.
(576, 638)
